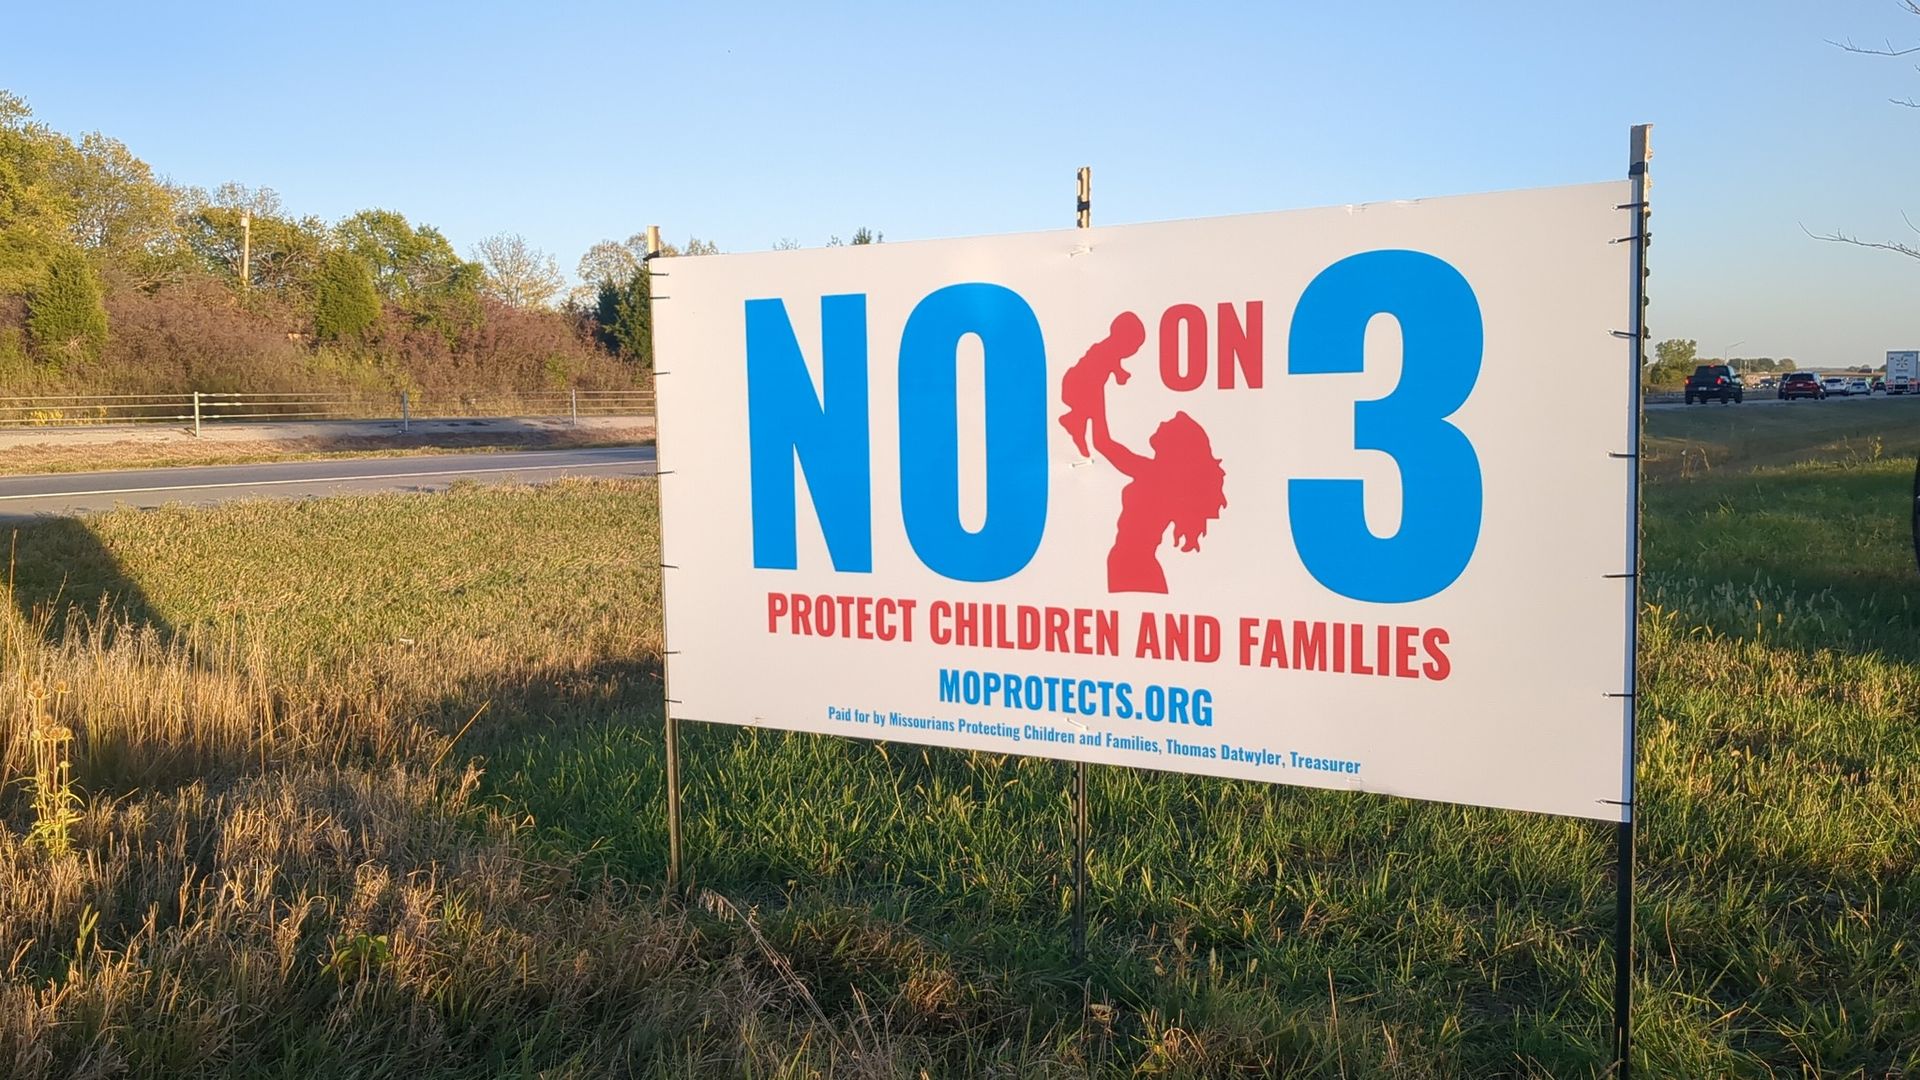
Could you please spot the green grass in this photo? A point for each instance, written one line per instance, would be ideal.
(884, 910)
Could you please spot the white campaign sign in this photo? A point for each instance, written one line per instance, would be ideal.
(1326, 497)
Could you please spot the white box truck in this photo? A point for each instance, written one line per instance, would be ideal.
(1903, 372)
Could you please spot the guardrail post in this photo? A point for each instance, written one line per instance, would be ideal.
(573, 406)
(196, 414)
(406, 411)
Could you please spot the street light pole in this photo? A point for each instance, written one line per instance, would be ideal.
(246, 249)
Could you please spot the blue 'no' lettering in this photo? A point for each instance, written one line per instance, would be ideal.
(1016, 369)
(827, 432)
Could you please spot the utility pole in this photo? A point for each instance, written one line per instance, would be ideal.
(246, 249)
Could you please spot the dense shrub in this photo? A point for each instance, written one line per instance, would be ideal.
(504, 350)
(196, 335)
(623, 314)
(18, 372)
(345, 305)
(65, 313)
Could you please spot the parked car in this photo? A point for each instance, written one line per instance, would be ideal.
(1801, 384)
(1714, 382)
(1879, 386)
(1859, 386)
(1835, 386)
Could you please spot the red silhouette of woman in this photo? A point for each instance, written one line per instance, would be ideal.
(1182, 485)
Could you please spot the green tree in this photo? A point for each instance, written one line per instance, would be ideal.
(1674, 360)
(285, 252)
(616, 261)
(259, 201)
(619, 292)
(119, 213)
(612, 260)
(65, 312)
(345, 305)
(861, 236)
(418, 270)
(623, 317)
(609, 261)
(517, 273)
(34, 214)
(408, 263)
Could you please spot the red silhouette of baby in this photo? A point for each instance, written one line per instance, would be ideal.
(1083, 389)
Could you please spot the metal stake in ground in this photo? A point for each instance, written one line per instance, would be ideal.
(1083, 218)
(1638, 156)
(672, 733)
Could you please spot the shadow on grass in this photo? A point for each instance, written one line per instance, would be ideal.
(59, 570)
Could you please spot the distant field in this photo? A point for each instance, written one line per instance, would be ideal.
(1698, 441)
(372, 788)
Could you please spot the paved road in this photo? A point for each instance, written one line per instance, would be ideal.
(1768, 397)
(74, 493)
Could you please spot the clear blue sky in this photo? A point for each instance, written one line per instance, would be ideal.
(743, 124)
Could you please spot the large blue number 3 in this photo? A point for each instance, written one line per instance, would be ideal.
(1442, 339)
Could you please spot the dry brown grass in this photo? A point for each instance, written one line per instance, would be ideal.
(279, 863)
(363, 922)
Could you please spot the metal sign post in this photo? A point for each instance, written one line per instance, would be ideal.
(1916, 511)
(1640, 153)
(671, 734)
(1083, 218)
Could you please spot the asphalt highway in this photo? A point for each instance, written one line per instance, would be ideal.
(78, 493)
(1768, 397)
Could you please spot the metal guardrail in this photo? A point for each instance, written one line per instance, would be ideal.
(198, 408)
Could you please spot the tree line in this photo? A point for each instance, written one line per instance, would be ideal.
(1675, 359)
(113, 279)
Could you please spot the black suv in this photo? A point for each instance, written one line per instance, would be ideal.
(1801, 384)
(1710, 381)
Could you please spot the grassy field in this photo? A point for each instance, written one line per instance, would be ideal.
(1698, 441)
(361, 788)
